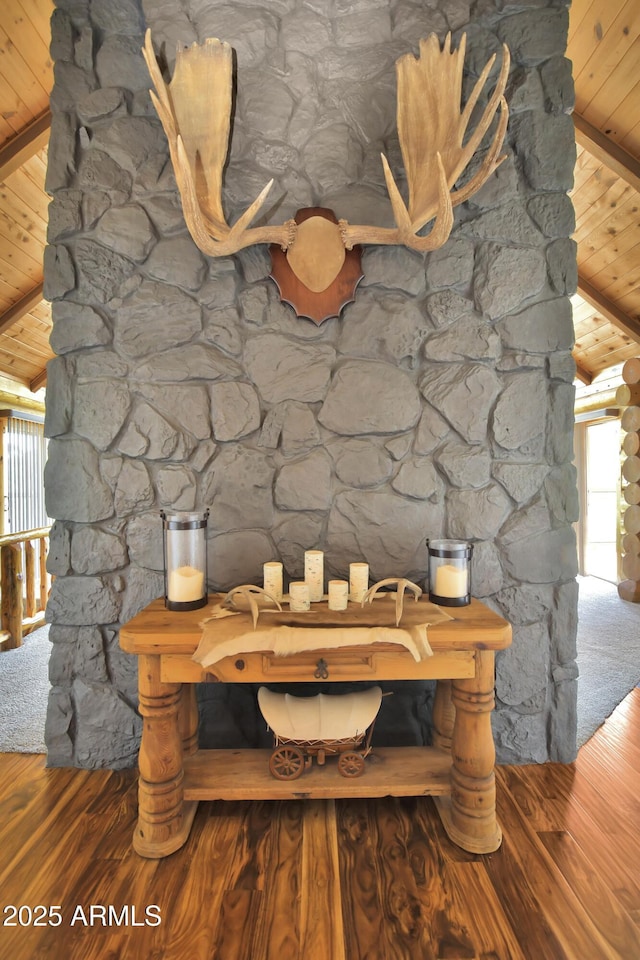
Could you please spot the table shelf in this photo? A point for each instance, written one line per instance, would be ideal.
(245, 775)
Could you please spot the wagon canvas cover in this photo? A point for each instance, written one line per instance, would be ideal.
(323, 717)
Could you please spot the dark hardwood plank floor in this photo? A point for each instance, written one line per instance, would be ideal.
(325, 880)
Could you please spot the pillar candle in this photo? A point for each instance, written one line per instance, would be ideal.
(299, 596)
(338, 594)
(358, 580)
(314, 573)
(185, 584)
(451, 581)
(272, 572)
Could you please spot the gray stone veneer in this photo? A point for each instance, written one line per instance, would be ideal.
(441, 401)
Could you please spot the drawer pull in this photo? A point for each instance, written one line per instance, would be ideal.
(322, 670)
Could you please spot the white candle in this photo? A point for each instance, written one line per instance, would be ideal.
(314, 573)
(451, 581)
(338, 594)
(272, 572)
(299, 596)
(358, 580)
(185, 584)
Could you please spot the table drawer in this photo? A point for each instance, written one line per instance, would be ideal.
(314, 666)
(383, 664)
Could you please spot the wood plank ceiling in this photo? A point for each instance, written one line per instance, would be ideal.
(26, 78)
(604, 45)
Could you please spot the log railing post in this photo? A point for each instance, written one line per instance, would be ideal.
(30, 578)
(43, 545)
(11, 586)
(24, 584)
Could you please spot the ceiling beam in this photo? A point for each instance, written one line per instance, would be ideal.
(19, 309)
(39, 381)
(21, 148)
(606, 151)
(609, 310)
(583, 374)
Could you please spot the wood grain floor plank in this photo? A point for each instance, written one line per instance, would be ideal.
(538, 810)
(587, 813)
(615, 742)
(238, 913)
(30, 804)
(618, 739)
(81, 880)
(80, 935)
(114, 815)
(601, 904)
(621, 725)
(33, 833)
(122, 933)
(243, 889)
(620, 732)
(543, 795)
(198, 874)
(20, 769)
(408, 917)
(428, 849)
(359, 882)
(320, 894)
(463, 880)
(276, 935)
(475, 901)
(524, 911)
(616, 771)
(556, 904)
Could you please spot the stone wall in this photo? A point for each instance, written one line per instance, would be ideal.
(440, 403)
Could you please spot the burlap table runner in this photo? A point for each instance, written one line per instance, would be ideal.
(229, 633)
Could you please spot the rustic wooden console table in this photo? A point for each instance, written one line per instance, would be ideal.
(458, 770)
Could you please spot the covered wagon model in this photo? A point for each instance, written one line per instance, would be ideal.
(320, 726)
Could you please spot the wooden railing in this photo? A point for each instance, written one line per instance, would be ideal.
(24, 584)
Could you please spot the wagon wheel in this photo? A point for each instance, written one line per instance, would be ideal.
(351, 764)
(286, 763)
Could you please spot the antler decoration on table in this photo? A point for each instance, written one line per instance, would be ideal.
(402, 584)
(195, 110)
(249, 592)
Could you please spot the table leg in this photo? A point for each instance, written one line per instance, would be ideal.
(164, 819)
(189, 719)
(469, 815)
(443, 716)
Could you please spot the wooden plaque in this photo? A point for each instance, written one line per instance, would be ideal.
(320, 262)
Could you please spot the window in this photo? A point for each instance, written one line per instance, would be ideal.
(23, 452)
(598, 460)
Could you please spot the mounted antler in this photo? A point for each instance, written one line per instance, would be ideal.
(432, 131)
(195, 110)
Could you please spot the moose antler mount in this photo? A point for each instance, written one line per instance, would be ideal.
(435, 142)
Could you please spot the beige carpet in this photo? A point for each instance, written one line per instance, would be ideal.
(24, 690)
(608, 652)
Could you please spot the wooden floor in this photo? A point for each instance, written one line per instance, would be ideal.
(319, 880)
